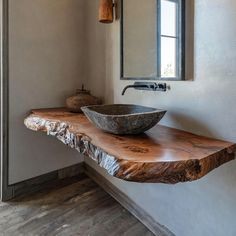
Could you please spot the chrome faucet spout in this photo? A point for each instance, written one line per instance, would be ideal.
(146, 86)
(133, 86)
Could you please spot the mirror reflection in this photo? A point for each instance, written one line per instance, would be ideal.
(153, 35)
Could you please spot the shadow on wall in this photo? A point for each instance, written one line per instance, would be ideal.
(190, 124)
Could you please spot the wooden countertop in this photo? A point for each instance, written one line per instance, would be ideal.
(161, 155)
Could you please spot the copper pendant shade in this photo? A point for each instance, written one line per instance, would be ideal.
(106, 11)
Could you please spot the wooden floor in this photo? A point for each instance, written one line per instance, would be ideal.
(78, 208)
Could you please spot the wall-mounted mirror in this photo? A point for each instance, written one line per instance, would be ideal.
(153, 39)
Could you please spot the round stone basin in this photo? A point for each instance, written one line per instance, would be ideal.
(123, 119)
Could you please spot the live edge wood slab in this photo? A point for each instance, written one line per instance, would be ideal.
(161, 155)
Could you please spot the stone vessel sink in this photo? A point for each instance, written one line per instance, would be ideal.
(123, 119)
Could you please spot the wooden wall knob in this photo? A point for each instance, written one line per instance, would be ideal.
(106, 11)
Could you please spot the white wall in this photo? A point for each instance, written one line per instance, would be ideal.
(204, 106)
(47, 48)
(95, 52)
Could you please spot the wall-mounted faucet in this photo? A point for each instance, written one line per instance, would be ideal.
(151, 86)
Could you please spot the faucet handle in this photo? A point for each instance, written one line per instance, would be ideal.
(161, 87)
(152, 86)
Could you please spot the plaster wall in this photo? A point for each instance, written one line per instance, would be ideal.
(46, 65)
(204, 106)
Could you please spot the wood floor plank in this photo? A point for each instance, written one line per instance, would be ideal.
(137, 230)
(36, 223)
(80, 208)
(74, 219)
(36, 207)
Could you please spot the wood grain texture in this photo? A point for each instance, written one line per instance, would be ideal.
(74, 207)
(105, 13)
(161, 155)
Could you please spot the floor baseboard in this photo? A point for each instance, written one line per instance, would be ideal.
(38, 183)
(127, 203)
